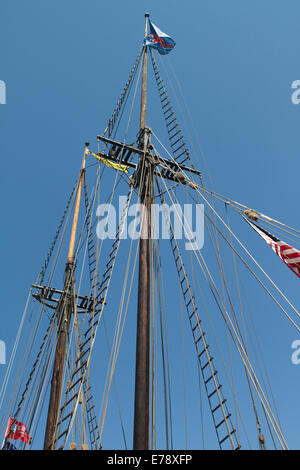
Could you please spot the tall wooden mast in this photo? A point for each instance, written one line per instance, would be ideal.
(142, 389)
(65, 309)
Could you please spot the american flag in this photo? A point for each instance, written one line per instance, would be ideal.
(287, 253)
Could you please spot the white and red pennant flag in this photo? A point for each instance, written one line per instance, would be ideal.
(17, 430)
(287, 253)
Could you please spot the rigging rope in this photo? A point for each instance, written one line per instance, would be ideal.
(244, 248)
(238, 343)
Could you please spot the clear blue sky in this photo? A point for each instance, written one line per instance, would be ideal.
(65, 64)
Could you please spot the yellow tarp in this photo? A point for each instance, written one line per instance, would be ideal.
(115, 166)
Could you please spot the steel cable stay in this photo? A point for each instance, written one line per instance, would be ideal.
(239, 346)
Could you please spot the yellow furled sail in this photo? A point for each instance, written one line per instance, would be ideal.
(115, 166)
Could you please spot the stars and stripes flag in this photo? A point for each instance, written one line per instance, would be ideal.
(159, 40)
(17, 430)
(287, 253)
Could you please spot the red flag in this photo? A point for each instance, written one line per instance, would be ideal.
(287, 253)
(17, 430)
